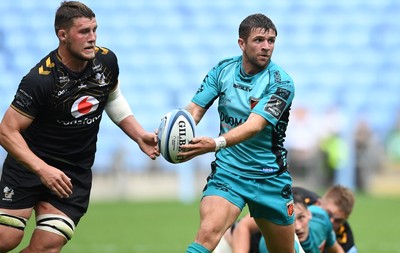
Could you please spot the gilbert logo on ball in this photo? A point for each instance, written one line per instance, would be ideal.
(177, 128)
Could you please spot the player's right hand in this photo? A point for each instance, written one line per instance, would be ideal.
(57, 181)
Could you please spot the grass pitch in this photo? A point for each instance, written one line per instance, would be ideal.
(169, 226)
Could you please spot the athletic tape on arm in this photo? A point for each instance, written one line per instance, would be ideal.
(117, 107)
(220, 142)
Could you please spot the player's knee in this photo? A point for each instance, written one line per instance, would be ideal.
(58, 224)
(11, 231)
(9, 242)
(209, 236)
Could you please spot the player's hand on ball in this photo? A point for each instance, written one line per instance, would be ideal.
(149, 145)
(198, 146)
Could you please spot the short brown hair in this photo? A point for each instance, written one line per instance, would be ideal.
(255, 21)
(69, 10)
(342, 197)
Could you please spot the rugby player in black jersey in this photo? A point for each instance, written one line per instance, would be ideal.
(50, 133)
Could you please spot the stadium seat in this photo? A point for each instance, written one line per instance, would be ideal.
(337, 53)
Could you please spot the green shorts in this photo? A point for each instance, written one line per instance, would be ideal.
(270, 198)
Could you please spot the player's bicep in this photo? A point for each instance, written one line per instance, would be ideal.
(14, 120)
(256, 122)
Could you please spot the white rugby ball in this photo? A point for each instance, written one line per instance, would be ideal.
(177, 128)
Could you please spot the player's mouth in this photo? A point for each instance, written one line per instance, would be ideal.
(90, 48)
(300, 235)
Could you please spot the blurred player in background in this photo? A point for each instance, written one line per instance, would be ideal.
(255, 97)
(313, 228)
(338, 201)
(50, 133)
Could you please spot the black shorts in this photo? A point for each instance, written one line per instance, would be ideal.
(23, 189)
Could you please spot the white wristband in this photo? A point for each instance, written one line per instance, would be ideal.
(220, 142)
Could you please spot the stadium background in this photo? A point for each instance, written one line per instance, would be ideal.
(343, 55)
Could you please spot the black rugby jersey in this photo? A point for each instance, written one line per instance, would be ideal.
(66, 107)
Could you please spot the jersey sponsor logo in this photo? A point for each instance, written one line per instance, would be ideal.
(79, 122)
(230, 121)
(242, 87)
(84, 105)
(8, 193)
(275, 106)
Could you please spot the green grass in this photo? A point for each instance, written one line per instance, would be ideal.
(375, 223)
(168, 227)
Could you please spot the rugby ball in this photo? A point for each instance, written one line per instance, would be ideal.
(177, 128)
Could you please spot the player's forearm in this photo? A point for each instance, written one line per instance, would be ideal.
(245, 131)
(132, 128)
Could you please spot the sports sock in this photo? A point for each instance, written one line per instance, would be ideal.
(197, 248)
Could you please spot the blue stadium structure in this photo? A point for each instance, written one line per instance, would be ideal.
(340, 53)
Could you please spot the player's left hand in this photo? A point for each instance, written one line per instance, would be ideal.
(198, 146)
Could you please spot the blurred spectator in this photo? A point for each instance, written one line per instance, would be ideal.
(334, 148)
(369, 155)
(302, 143)
(335, 151)
(393, 146)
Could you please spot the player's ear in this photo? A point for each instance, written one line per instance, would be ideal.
(62, 35)
(241, 43)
